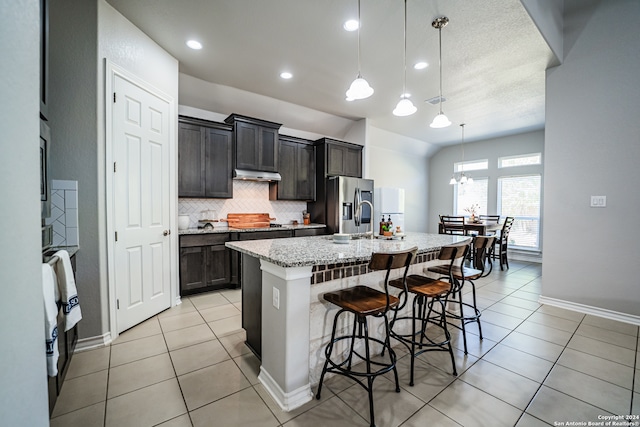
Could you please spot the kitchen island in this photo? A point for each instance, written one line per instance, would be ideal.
(296, 321)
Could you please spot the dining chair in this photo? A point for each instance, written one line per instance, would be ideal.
(500, 250)
(452, 224)
(490, 219)
(364, 302)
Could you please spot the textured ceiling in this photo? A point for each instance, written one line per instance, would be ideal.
(493, 58)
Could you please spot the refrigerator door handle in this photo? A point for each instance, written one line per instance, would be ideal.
(357, 198)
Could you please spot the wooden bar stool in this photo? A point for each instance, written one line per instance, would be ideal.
(362, 302)
(461, 275)
(427, 291)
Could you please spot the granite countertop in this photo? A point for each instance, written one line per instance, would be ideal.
(245, 230)
(321, 250)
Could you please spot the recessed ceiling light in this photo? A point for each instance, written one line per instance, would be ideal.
(420, 65)
(286, 75)
(351, 25)
(193, 44)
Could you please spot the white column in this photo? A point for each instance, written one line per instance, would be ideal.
(285, 334)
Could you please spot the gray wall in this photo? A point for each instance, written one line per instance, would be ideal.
(23, 387)
(592, 147)
(84, 33)
(441, 169)
(74, 134)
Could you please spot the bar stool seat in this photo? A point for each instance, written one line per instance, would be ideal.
(426, 291)
(364, 302)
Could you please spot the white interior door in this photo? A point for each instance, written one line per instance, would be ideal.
(141, 208)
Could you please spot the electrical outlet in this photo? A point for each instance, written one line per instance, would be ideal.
(276, 298)
(598, 201)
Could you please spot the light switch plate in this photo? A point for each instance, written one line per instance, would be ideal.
(598, 201)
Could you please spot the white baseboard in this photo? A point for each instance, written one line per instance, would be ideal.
(525, 256)
(595, 311)
(287, 401)
(85, 344)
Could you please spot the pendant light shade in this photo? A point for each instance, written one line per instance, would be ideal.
(359, 88)
(440, 121)
(405, 107)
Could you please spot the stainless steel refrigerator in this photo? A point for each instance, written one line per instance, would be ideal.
(343, 197)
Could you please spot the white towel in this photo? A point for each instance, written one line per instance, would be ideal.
(68, 291)
(49, 287)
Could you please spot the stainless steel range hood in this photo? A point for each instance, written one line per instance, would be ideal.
(248, 175)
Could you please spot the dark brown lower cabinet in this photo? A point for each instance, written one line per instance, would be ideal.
(205, 263)
(66, 346)
(252, 302)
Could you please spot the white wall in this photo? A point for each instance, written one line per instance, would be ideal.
(225, 100)
(398, 161)
(83, 34)
(547, 15)
(23, 387)
(441, 169)
(593, 148)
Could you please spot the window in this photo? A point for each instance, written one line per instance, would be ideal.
(466, 195)
(521, 160)
(474, 165)
(519, 197)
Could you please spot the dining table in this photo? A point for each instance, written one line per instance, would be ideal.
(479, 227)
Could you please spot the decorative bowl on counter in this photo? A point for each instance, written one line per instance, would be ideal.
(342, 238)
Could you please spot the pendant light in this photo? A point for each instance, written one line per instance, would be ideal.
(360, 88)
(462, 178)
(405, 107)
(440, 121)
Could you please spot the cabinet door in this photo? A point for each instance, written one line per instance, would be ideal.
(287, 186)
(268, 149)
(44, 59)
(218, 164)
(192, 269)
(218, 269)
(353, 162)
(336, 158)
(247, 139)
(306, 172)
(191, 173)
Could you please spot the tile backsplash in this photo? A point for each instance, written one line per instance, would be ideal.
(248, 197)
(64, 213)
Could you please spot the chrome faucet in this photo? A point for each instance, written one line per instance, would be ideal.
(359, 207)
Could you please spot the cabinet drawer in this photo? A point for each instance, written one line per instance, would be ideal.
(191, 240)
(256, 235)
(309, 232)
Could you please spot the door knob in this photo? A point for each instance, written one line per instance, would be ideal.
(166, 232)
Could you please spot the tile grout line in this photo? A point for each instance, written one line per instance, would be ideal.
(184, 400)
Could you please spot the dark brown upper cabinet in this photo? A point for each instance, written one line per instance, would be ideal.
(255, 143)
(335, 158)
(44, 59)
(297, 167)
(205, 159)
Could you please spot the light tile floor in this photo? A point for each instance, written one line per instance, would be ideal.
(537, 365)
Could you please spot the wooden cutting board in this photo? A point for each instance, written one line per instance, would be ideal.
(249, 220)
